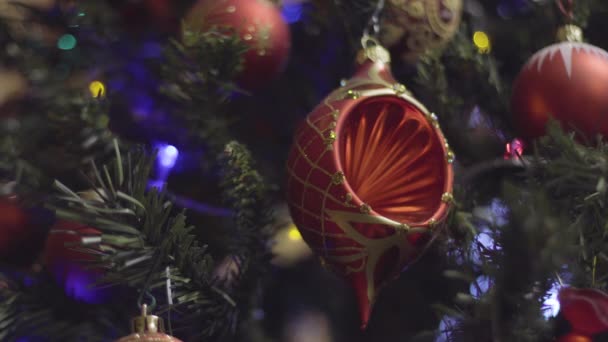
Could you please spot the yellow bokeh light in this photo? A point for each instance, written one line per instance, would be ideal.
(97, 89)
(294, 234)
(482, 42)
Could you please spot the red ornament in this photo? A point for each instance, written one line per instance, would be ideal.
(14, 88)
(567, 81)
(259, 24)
(585, 309)
(369, 172)
(574, 338)
(22, 233)
(13, 219)
(70, 249)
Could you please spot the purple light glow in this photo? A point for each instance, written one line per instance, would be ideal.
(79, 284)
(292, 12)
(142, 106)
(500, 212)
(483, 241)
(551, 304)
(476, 118)
(444, 329)
(201, 207)
(159, 185)
(152, 50)
(480, 286)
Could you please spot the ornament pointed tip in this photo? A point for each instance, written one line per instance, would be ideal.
(365, 308)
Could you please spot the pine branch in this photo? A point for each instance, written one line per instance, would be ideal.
(198, 74)
(246, 193)
(145, 243)
(59, 125)
(41, 311)
(575, 176)
(556, 231)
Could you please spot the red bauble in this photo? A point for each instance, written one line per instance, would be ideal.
(14, 88)
(22, 233)
(585, 309)
(259, 24)
(574, 338)
(13, 221)
(70, 249)
(567, 81)
(369, 172)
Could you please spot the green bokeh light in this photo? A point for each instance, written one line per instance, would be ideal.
(66, 42)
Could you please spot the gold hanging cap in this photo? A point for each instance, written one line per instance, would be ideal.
(570, 33)
(146, 324)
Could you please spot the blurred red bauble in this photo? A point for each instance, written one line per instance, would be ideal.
(22, 233)
(574, 338)
(13, 89)
(567, 81)
(369, 174)
(69, 254)
(259, 24)
(585, 309)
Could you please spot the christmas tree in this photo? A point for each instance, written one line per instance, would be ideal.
(303, 170)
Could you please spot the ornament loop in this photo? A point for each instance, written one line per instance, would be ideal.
(372, 50)
(369, 41)
(144, 306)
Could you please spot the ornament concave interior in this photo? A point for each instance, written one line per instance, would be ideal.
(392, 160)
(369, 175)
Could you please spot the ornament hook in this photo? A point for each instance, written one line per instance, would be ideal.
(369, 42)
(373, 26)
(566, 9)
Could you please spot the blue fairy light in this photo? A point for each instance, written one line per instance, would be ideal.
(166, 159)
(167, 156)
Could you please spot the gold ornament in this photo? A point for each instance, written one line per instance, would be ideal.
(147, 328)
(412, 27)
